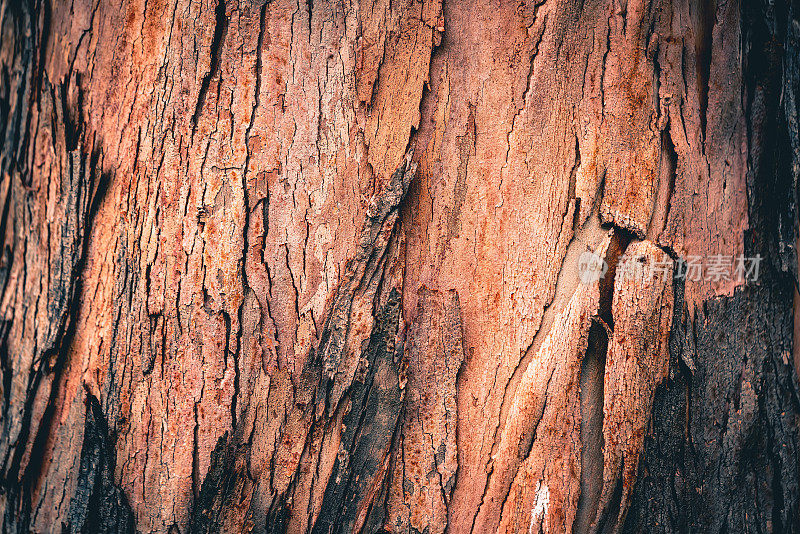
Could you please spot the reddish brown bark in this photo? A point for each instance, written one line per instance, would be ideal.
(281, 266)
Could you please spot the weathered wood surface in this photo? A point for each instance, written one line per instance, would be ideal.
(282, 266)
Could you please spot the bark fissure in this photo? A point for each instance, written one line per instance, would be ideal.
(220, 29)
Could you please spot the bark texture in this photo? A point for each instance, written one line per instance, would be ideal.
(281, 266)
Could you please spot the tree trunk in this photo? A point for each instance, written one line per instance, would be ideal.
(274, 266)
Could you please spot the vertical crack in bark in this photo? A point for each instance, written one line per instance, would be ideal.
(666, 187)
(535, 467)
(523, 454)
(703, 50)
(591, 392)
(585, 239)
(592, 378)
(220, 29)
(637, 361)
(263, 204)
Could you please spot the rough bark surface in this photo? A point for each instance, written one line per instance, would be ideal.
(281, 266)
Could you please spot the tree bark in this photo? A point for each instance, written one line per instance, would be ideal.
(280, 266)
